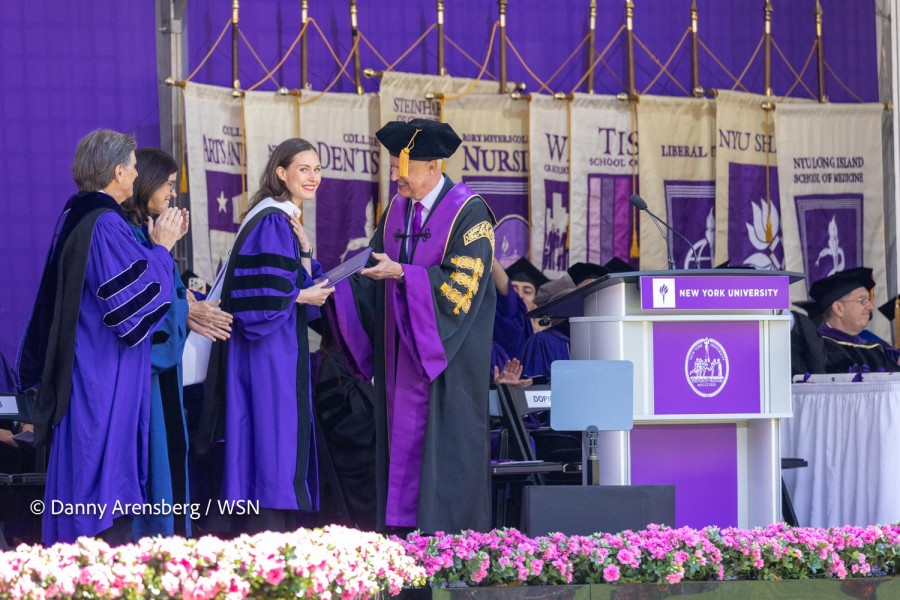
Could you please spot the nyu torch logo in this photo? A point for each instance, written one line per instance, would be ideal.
(663, 292)
(706, 367)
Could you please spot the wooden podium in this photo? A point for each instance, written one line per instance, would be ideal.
(712, 378)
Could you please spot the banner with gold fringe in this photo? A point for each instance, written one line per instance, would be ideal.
(604, 174)
(408, 96)
(677, 179)
(493, 161)
(830, 167)
(215, 151)
(548, 133)
(342, 127)
(269, 119)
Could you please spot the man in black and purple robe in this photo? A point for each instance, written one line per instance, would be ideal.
(845, 302)
(420, 319)
(87, 346)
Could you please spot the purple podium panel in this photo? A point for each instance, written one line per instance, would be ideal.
(714, 293)
(706, 368)
(700, 460)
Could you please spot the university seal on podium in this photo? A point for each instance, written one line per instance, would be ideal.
(706, 367)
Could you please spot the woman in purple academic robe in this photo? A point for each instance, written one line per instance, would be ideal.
(167, 477)
(262, 372)
(87, 346)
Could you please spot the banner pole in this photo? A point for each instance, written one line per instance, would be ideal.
(502, 4)
(629, 25)
(767, 49)
(440, 38)
(357, 70)
(235, 11)
(592, 45)
(820, 54)
(304, 57)
(697, 90)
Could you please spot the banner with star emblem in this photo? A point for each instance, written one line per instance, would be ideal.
(215, 152)
(830, 169)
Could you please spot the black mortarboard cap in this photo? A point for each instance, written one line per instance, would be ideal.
(617, 265)
(582, 271)
(425, 139)
(523, 270)
(834, 287)
(887, 309)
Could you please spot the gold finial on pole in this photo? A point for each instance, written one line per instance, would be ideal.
(502, 4)
(440, 35)
(820, 54)
(629, 26)
(592, 45)
(695, 54)
(304, 57)
(357, 69)
(235, 12)
(767, 50)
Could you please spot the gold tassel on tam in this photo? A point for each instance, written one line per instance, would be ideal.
(635, 249)
(404, 156)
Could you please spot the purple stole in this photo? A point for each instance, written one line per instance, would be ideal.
(411, 327)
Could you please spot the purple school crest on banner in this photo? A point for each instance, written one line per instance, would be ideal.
(511, 235)
(748, 214)
(507, 197)
(556, 226)
(831, 233)
(224, 198)
(691, 209)
(706, 368)
(345, 219)
(609, 217)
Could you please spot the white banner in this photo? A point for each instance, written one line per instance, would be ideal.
(604, 174)
(493, 161)
(403, 98)
(270, 118)
(830, 168)
(215, 151)
(342, 128)
(551, 207)
(677, 179)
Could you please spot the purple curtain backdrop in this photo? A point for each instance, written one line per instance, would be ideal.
(69, 67)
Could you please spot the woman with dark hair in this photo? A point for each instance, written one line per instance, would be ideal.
(262, 372)
(167, 480)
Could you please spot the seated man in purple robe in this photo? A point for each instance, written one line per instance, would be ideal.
(424, 311)
(845, 301)
(87, 346)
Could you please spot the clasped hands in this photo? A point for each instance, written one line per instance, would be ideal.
(316, 294)
(169, 227)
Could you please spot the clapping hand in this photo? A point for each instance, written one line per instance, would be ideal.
(206, 318)
(169, 227)
(511, 375)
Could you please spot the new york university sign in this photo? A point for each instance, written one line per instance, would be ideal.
(715, 292)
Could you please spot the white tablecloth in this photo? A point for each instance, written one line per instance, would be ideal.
(850, 434)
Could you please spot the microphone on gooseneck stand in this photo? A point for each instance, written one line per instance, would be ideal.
(641, 204)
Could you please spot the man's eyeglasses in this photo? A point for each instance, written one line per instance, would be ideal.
(862, 300)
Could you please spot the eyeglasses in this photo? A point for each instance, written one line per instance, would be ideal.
(171, 184)
(863, 300)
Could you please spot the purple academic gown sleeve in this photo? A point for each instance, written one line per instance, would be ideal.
(262, 426)
(542, 349)
(98, 455)
(511, 327)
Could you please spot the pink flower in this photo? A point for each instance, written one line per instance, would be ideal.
(611, 573)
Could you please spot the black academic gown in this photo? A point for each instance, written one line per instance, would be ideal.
(454, 489)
